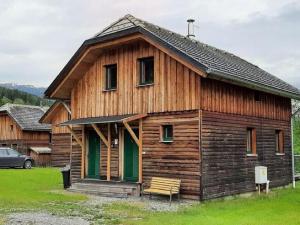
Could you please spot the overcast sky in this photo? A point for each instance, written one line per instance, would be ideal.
(38, 37)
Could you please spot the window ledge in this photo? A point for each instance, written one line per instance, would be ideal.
(144, 85)
(280, 153)
(166, 142)
(252, 155)
(107, 90)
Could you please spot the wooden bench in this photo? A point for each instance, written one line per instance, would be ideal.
(163, 186)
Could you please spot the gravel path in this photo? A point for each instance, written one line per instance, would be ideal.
(93, 211)
(43, 218)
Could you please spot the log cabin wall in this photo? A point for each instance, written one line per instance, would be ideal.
(76, 157)
(61, 138)
(175, 87)
(179, 159)
(61, 148)
(226, 168)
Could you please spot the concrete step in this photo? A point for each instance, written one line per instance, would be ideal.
(117, 189)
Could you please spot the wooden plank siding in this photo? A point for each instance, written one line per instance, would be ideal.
(60, 115)
(5, 128)
(170, 79)
(226, 169)
(218, 96)
(175, 88)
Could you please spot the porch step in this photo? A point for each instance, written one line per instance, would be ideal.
(108, 189)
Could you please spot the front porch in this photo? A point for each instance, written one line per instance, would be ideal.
(110, 155)
(117, 189)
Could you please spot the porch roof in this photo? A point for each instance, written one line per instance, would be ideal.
(102, 119)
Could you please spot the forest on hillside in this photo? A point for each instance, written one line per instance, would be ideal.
(20, 97)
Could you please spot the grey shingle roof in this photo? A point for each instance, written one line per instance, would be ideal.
(217, 63)
(213, 60)
(27, 117)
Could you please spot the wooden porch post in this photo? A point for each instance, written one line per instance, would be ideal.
(140, 150)
(83, 152)
(108, 152)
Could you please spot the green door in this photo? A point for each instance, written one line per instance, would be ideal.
(131, 157)
(94, 156)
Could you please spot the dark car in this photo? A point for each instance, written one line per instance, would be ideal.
(11, 158)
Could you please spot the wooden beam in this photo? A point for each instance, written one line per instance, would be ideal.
(108, 152)
(135, 138)
(66, 107)
(75, 136)
(135, 117)
(98, 131)
(83, 152)
(140, 151)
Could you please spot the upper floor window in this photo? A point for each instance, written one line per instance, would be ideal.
(251, 141)
(146, 70)
(279, 148)
(11, 128)
(111, 77)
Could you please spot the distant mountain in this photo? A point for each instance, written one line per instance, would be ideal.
(38, 91)
(8, 95)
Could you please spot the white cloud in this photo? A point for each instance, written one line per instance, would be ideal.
(38, 37)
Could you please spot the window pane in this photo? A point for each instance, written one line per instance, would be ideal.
(146, 70)
(167, 133)
(3, 153)
(249, 141)
(111, 77)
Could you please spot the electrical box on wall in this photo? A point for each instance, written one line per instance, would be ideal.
(261, 175)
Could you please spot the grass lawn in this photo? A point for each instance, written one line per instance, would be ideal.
(281, 207)
(30, 188)
(41, 190)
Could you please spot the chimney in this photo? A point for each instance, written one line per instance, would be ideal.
(190, 28)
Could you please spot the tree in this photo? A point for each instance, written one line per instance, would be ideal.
(19, 101)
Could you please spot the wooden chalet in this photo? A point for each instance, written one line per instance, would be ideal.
(146, 101)
(60, 136)
(20, 128)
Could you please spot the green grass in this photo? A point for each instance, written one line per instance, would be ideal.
(32, 188)
(281, 207)
(41, 190)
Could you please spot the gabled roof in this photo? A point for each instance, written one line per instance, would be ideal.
(26, 116)
(216, 63)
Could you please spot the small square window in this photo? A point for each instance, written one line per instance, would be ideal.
(251, 141)
(279, 148)
(167, 133)
(111, 77)
(146, 70)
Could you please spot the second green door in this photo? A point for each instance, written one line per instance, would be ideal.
(131, 157)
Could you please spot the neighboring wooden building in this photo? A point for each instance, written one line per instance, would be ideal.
(41, 156)
(20, 128)
(60, 136)
(147, 102)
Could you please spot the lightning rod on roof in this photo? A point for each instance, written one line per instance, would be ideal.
(191, 33)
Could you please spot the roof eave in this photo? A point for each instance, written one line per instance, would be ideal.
(87, 43)
(218, 75)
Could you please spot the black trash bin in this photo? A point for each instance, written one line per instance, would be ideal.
(66, 176)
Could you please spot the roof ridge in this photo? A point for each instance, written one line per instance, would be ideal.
(127, 16)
